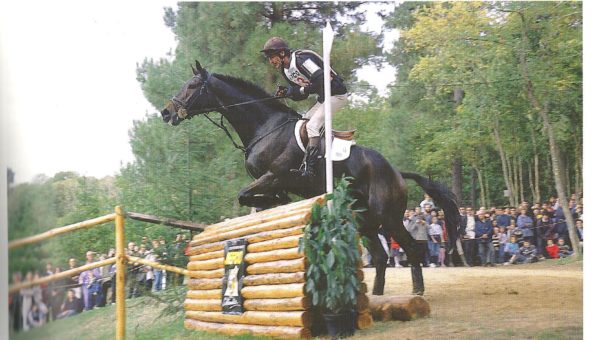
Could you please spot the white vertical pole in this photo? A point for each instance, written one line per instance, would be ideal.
(327, 44)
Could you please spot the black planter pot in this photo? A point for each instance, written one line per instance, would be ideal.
(340, 325)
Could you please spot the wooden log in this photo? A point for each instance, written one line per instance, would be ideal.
(255, 330)
(133, 259)
(275, 234)
(60, 230)
(204, 294)
(258, 237)
(289, 304)
(364, 320)
(207, 274)
(273, 255)
(284, 266)
(207, 248)
(362, 302)
(279, 243)
(207, 305)
(295, 318)
(207, 256)
(289, 290)
(120, 272)
(404, 308)
(167, 221)
(203, 284)
(250, 220)
(207, 264)
(274, 279)
(305, 204)
(288, 222)
(67, 273)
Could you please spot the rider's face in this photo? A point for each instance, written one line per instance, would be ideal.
(277, 60)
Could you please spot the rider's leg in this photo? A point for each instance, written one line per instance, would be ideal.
(316, 116)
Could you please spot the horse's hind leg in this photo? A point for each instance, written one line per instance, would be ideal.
(414, 253)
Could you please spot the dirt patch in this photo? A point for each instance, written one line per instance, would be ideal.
(542, 300)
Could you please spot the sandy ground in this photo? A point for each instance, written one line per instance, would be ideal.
(534, 301)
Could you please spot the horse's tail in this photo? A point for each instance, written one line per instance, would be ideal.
(444, 198)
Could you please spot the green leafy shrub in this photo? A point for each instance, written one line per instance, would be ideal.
(330, 244)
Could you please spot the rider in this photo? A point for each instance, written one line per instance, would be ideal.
(303, 69)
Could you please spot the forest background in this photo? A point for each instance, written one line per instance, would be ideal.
(487, 99)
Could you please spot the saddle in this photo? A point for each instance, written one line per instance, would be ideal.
(344, 135)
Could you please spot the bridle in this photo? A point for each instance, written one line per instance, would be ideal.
(182, 112)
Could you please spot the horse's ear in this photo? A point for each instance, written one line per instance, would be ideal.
(194, 71)
(201, 70)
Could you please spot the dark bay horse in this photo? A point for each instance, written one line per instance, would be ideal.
(266, 129)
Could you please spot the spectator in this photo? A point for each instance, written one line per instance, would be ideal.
(90, 285)
(36, 316)
(579, 226)
(417, 227)
(105, 282)
(16, 304)
(525, 223)
(132, 272)
(435, 238)
(469, 240)
(427, 213)
(513, 214)
(427, 200)
(497, 252)
(552, 249)
(57, 293)
(563, 248)
(27, 301)
(526, 254)
(503, 219)
(74, 282)
(442, 252)
(149, 279)
(502, 247)
(70, 307)
(397, 253)
(158, 251)
(561, 225)
(483, 234)
(511, 248)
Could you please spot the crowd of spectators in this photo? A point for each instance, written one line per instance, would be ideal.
(488, 237)
(95, 288)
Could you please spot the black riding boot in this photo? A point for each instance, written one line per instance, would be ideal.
(307, 169)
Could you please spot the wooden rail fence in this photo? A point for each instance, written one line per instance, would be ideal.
(121, 259)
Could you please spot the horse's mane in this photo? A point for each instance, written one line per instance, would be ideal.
(255, 91)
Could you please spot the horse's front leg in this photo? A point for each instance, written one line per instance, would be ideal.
(263, 193)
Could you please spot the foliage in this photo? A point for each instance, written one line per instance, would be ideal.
(331, 246)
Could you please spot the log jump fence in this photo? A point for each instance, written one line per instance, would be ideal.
(275, 301)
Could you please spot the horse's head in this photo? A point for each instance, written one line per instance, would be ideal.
(192, 99)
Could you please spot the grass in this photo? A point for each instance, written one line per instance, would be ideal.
(145, 320)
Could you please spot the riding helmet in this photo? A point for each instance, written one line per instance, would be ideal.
(274, 45)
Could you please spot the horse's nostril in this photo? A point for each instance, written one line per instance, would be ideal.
(166, 115)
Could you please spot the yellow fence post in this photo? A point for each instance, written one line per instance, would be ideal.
(121, 268)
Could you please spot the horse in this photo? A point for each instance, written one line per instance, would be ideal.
(265, 127)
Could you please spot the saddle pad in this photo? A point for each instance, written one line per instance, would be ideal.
(341, 148)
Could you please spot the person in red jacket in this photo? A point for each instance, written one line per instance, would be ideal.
(552, 249)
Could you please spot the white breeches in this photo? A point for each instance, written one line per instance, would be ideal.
(316, 114)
